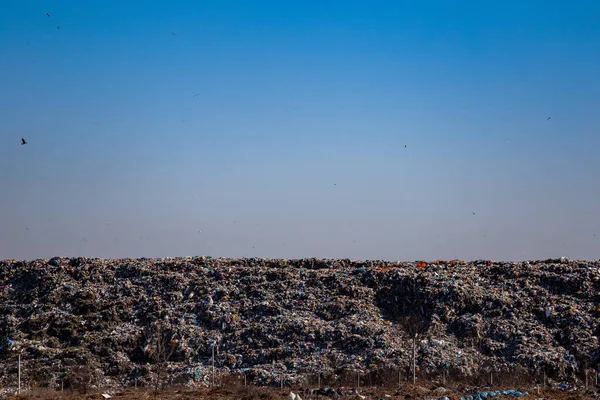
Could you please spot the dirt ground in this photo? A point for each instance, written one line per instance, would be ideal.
(266, 393)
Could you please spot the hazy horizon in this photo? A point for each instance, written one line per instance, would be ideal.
(367, 130)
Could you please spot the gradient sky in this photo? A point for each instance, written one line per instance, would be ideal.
(278, 129)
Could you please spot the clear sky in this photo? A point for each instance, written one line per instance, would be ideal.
(402, 130)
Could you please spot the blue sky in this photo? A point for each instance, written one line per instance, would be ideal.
(278, 129)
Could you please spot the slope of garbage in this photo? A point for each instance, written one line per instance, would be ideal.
(131, 321)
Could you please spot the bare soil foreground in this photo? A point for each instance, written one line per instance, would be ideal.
(266, 393)
(195, 322)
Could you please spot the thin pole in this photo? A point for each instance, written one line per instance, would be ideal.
(213, 365)
(414, 359)
(357, 380)
(491, 378)
(586, 379)
(244, 379)
(319, 381)
(19, 374)
(544, 380)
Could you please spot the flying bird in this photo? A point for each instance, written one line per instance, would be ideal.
(58, 27)
(547, 119)
(47, 14)
(404, 146)
(173, 33)
(23, 141)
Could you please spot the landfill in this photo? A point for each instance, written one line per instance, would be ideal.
(193, 320)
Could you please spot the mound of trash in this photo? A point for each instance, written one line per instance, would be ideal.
(106, 322)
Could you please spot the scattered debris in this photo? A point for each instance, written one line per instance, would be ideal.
(495, 393)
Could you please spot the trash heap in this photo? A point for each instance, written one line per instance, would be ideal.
(107, 322)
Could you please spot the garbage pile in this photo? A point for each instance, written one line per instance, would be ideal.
(106, 322)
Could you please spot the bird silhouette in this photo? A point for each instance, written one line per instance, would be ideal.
(47, 14)
(23, 141)
(173, 33)
(58, 27)
(547, 119)
(404, 146)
